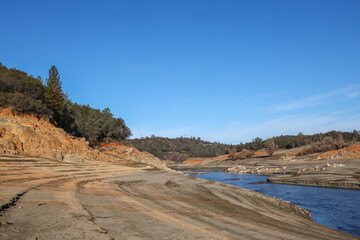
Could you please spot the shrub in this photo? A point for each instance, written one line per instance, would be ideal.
(241, 155)
(175, 156)
(22, 92)
(270, 146)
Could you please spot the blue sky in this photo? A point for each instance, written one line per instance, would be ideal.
(225, 71)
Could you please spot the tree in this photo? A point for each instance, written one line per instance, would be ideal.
(256, 144)
(54, 96)
(270, 146)
(355, 135)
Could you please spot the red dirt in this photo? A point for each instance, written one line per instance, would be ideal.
(352, 149)
(194, 160)
(197, 160)
(259, 153)
(221, 157)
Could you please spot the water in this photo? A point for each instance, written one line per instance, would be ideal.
(335, 208)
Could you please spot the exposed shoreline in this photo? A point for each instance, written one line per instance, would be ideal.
(48, 199)
(309, 171)
(321, 180)
(313, 181)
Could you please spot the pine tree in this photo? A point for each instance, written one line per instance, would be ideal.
(54, 96)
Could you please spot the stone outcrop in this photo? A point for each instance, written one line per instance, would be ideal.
(261, 170)
(347, 152)
(73, 158)
(287, 157)
(26, 134)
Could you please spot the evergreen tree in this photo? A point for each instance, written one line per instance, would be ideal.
(54, 96)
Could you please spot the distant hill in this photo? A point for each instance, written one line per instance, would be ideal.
(179, 149)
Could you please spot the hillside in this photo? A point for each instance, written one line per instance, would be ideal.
(26, 94)
(179, 149)
(27, 134)
(182, 148)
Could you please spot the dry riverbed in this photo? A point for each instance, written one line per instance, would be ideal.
(47, 199)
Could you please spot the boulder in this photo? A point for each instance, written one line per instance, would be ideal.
(171, 183)
(73, 158)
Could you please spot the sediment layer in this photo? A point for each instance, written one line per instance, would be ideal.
(48, 199)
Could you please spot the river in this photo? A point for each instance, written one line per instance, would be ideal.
(335, 208)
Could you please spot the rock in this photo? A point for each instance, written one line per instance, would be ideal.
(73, 158)
(59, 156)
(129, 150)
(5, 223)
(27, 134)
(171, 183)
(287, 157)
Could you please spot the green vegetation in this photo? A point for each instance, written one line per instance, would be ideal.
(166, 148)
(94, 125)
(27, 94)
(54, 96)
(22, 92)
(179, 149)
(290, 141)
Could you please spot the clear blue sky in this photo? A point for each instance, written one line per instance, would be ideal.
(225, 71)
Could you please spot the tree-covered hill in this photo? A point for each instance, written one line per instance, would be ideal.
(22, 92)
(27, 94)
(180, 148)
(291, 141)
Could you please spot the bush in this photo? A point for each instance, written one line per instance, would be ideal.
(270, 146)
(176, 157)
(22, 92)
(241, 155)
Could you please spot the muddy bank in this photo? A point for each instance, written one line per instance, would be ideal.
(46, 199)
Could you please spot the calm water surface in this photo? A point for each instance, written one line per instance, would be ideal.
(334, 208)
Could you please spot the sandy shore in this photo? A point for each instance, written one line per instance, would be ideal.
(46, 199)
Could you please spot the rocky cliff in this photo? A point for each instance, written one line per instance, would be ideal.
(26, 134)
